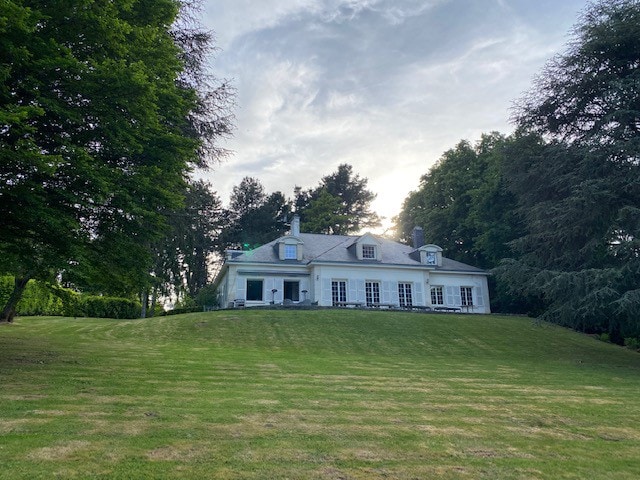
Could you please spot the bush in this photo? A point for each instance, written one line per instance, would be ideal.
(632, 343)
(38, 298)
(207, 296)
(109, 307)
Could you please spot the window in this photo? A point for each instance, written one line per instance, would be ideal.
(338, 291)
(292, 291)
(369, 252)
(436, 296)
(290, 252)
(254, 290)
(404, 294)
(465, 295)
(372, 292)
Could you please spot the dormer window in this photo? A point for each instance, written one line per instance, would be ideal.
(367, 247)
(290, 252)
(289, 248)
(430, 255)
(369, 252)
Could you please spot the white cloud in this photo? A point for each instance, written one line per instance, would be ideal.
(384, 85)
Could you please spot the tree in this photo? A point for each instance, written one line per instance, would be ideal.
(253, 217)
(183, 257)
(322, 214)
(351, 214)
(579, 189)
(102, 114)
(463, 205)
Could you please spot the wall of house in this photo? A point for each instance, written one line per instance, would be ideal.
(273, 278)
(357, 276)
(317, 282)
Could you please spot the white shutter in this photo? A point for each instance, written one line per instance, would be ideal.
(304, 285)
(418, 299)
(450, 296)
(241, 289)
(395, 296)
(269, 284)
(479, 297)
(352, 290)
(326, 292)
(361, 296)
(457, 297)
(386, 292)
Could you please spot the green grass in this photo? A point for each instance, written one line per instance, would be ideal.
(315, 395)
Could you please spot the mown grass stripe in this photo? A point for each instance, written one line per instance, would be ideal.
(314, 394)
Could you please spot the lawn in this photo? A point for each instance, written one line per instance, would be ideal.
(323, 394)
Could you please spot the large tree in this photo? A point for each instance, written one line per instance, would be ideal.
(580, 188)
(253, 217)
(102, 114)
(349, 200)
(463, 205)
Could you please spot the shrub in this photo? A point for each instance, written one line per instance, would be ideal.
(207, 296)
(109, 307)
(38, 298)
(632, 343)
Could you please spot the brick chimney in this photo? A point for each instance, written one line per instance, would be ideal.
(417, 235)
(295, 226)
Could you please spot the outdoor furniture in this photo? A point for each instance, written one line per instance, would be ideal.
(382, 305)
(446, 309)
(348, 304)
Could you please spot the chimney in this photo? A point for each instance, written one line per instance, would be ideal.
(417, 235)
(295, 226)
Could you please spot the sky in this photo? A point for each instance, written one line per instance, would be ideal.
(386, 86)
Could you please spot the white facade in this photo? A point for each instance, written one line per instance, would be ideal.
(415, 279)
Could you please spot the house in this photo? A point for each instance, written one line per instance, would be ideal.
(351, 271)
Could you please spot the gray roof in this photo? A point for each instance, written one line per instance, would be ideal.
(318, 248)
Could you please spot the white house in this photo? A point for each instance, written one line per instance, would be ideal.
(351, 271)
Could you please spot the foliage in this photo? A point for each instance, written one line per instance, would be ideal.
(207, 297)
(109, 307)
(183, 261)
(579, 188)
(339, 205)
(103, 111)
(463, 206)
(39, 298)
(253, 217)
(323, 214)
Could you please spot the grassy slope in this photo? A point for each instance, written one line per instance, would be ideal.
(314, 394)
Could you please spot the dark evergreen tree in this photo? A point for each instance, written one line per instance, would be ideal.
(351, 213)
(253, 218)
(580, 190)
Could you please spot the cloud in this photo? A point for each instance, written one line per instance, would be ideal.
(385, 85)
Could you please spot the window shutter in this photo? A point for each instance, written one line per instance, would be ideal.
(326, 291)
(418, 299)
(268, 285)
(479, 297)
(352, 293)
(457, 301)
(241, 289)
(386, 292)
(450, 296)
(361, 297)
(395, 297)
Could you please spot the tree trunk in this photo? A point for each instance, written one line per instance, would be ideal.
(9, 310)
(154, 298)
(144, 300)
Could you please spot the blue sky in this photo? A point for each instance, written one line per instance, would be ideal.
(384, 85)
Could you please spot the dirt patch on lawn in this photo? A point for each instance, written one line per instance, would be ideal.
(61, 451)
